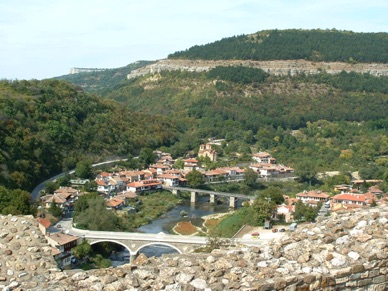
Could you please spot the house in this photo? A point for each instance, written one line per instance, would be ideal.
(264, 158)
(160, 168)
(313, 195)
(375, 190)
(165, 159)
(78, 182)
(105, 186)
(286, 211)
(359, 183)
(370, 198)
(144, 185)
(67, 192)
(190, 165)
(115, 203)
(234, 173)
(127, 196)
(119, 182)
(44, 224)
(216, 175)
(342, 188)
(132, 176)
(56, 198)
(169, 179)
(349, 198)
(63, 243)
(206, 150)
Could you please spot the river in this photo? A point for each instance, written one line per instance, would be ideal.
(166, 222)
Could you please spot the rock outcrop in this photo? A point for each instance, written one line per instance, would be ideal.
(346, 251)
(291, 67)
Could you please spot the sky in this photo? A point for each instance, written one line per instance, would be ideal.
(46, 38)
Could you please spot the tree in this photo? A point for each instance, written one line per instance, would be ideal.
(93, 207)
(83, 169)
(146, 157)
(306, 212)
(261, 210)
(54, 209)
(5, 197)
(82, 250)
(194, 179)
(50, 187)
(274, 193)
(307, 172)
(179, 163)
(250, 177)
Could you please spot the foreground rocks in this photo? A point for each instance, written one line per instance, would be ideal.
(347, 251)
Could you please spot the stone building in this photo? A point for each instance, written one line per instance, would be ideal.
(206, 150)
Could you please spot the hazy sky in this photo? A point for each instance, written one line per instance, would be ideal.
(45, 38)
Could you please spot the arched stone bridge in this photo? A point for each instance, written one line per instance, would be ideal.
(134, 242)
(233, 197)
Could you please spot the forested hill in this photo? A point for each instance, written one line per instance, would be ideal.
(102, 81)
(47, 126)
(314, 45)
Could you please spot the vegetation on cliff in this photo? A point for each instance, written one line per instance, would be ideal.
(293, 44)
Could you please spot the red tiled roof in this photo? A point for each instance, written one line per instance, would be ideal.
(262, 155)
(45, 222)
(114, 202)
(168, 176)
(128, 194)
(350, 197)
(62, 238)
(313, 194)
(145, 183)
(100, 182)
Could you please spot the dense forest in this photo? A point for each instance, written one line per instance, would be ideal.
(48, 126)
(293, 44)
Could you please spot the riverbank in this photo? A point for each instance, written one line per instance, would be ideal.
(210, 221)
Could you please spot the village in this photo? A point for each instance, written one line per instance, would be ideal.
(121, 188)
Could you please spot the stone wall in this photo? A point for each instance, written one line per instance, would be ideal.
(346, 251)
(291, 67)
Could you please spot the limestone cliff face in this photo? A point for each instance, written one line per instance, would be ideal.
(346, 251)
(291, 67)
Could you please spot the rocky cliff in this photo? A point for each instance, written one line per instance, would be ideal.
(272, 67)
(346, 251)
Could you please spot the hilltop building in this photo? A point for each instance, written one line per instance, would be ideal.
(206, 150)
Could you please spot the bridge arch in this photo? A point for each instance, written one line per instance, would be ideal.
(116, 242)
(158, 244)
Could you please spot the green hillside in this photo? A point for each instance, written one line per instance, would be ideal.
(102, 81)
(47, 126)
(303, 119)
(294, 44)
(309, 122)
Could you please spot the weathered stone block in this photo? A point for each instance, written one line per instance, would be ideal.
(341, 280)
(355, 276)
(358, 268)
(341, 272)
(374, 273)
(327, 281)
(364, 282)
(379, 279)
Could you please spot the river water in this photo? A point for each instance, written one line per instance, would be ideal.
(166, 222)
